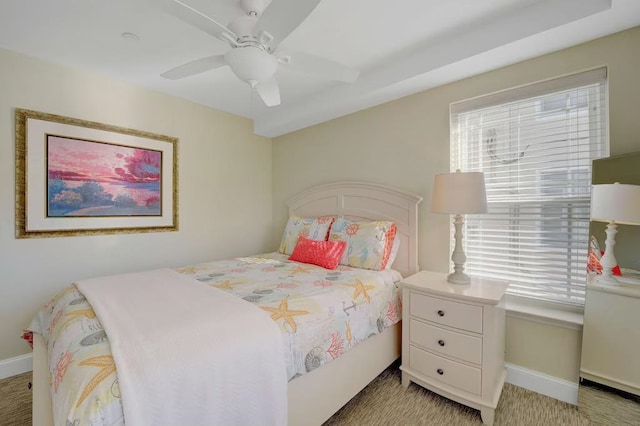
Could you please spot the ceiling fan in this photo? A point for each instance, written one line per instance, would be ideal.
(254, 39)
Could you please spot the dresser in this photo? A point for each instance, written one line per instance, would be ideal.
(611, 336)
(453, 339)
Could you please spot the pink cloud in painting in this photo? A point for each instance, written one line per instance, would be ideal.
(142, 166)
(79, 160)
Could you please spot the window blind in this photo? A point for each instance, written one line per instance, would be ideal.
(535, 145)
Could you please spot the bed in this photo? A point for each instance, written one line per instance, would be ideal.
(313, 397)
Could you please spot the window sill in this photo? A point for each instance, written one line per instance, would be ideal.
(544, 312)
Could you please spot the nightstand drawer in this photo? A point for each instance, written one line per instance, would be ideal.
(446, 312)
(446, 371)
(450, 343)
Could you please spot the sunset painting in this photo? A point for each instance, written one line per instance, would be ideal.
(86, 178)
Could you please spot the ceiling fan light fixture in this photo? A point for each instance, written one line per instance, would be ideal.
(251, 64)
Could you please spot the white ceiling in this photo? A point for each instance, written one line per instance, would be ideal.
(400, 46)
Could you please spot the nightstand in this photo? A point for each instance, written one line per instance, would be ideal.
(453, 339)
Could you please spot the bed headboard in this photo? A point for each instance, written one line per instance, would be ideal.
(367, 201)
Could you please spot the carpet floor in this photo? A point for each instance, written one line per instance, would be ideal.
(15, 400)
(383, 402)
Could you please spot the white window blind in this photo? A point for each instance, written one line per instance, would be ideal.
(535, 145)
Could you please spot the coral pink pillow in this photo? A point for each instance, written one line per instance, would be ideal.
(322, 253)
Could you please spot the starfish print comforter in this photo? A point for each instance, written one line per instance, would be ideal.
(321, 314)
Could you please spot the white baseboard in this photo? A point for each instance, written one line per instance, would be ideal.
(541, 383)
(16, 365)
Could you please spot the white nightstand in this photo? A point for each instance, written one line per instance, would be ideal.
(453, 339)
(610, 336)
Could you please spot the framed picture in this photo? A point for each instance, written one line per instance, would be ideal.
(76, 177)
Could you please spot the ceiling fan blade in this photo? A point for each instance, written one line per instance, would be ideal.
(283, 16)
(269, 92)
(195, 67)
(324, 68)
(194, 17)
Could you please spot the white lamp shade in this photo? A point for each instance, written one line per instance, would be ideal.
(459, 193)
(616, 202)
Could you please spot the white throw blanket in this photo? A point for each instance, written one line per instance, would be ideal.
(190, 354)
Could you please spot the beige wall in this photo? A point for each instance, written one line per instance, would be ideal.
(228, 175)
(224, 193)
(543, 347)
(405, 142)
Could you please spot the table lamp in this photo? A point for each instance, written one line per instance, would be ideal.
(614, 203)
(459, 193)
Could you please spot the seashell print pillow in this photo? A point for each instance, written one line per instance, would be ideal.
(369, 244)
(395, 249)
(315, 228)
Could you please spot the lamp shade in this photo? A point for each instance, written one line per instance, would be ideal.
(616, 202)
(459, 193)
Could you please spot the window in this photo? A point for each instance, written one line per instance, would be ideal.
(548, 107)
(535, 145)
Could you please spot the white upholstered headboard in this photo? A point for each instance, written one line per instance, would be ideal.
(367, 201)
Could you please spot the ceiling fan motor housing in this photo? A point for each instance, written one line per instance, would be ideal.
(244, 28)
(251, 64)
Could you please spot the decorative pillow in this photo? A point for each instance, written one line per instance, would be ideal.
(369, 244)
(316, 228)
(394, 251)
(322, 253)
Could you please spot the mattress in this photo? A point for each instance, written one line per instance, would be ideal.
(321, 314)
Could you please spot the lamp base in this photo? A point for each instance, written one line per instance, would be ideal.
(458, 257)
(459, 278)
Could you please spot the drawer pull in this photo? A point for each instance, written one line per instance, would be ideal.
(440, 371)
(441, 313)
(441, 342)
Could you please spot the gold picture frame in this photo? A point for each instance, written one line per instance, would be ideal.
(76, 177)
